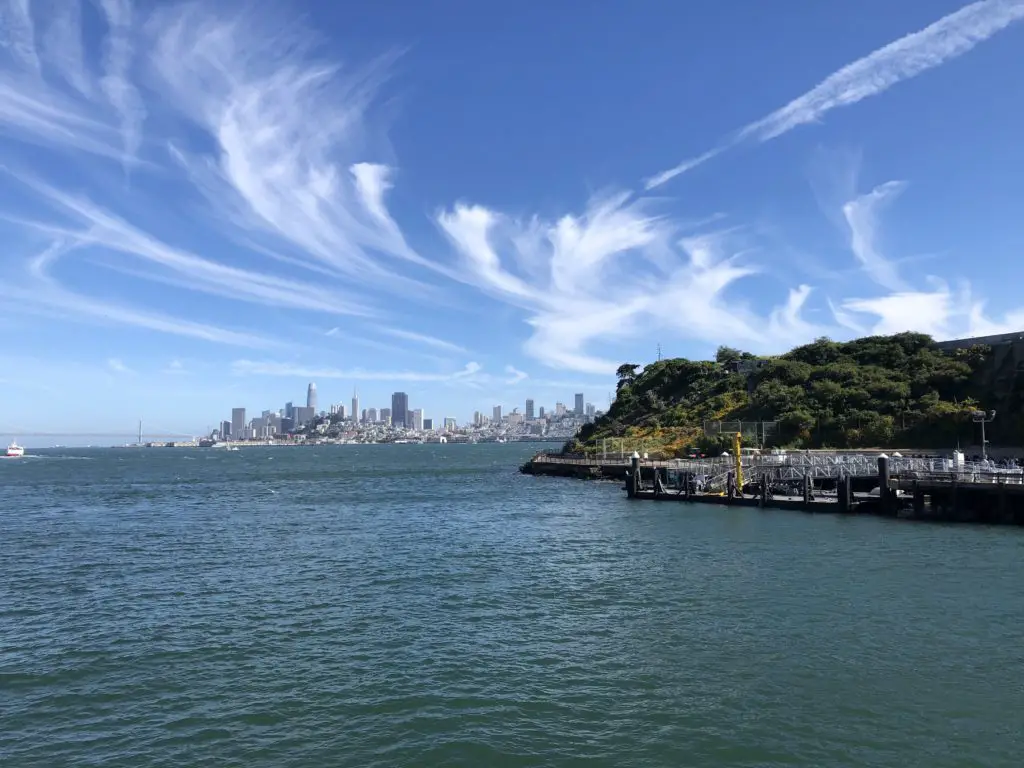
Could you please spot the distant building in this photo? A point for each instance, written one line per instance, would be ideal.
(541, 414)
(371, 415)
(989, 341)
(400, 409)
(416, 419)
(449, 424)
(225, 430)
(496, 414)
(311, 396)
(385, 416)
(428, 425)
(303, 416)
(289, 411)
(237, 422)
(363, 418)
(529, 410)
(579, 404)
(559, 409)
(355, 407)
(747, 366)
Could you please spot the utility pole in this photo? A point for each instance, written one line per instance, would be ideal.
(983, 418)
(659, 351)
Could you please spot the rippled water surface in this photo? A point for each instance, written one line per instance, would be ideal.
(428, 606)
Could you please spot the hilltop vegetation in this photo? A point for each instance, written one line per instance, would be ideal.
(877, 391)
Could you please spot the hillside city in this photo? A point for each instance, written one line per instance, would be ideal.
(341, 423)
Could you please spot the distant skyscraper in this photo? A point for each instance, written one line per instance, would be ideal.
(311, 396)
(529, 410)
(428, 425)
(579, 404)
(289, 411)
(225, 430)
(496, 414)
(449, 424)
(416, 419)
(355, 406)
(400, 409)
(238, 423)
(371, 416)
(385, 416)
(542, 412)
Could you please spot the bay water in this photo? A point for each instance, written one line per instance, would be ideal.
(426, 605)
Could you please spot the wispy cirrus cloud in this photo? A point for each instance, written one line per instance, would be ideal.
(515, 375)
(939, 310)
(861, 214)
(265, 149)
(422, 338)
(946, 39)
(289, 159)
(471, 372)
(116, 83)
(290, 131)
(606, 274)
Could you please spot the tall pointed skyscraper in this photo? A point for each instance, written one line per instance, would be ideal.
(311, 396)
(355, 405)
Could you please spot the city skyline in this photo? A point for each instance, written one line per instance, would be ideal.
(243, 198)
(292, 418)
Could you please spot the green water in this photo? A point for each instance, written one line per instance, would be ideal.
(428, 606)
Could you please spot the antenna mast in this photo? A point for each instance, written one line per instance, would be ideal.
(659, 351)
(140, 431)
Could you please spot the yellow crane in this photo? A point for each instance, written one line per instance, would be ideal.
(737, 448)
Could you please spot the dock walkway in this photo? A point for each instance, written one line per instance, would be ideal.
(923, 489)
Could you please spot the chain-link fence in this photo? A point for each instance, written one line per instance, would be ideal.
(755, 431)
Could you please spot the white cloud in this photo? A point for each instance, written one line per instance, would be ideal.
(941, 313)
(470, 372)
(612, 273)
(422, 338)
(949, 37)
(861, 214)
(115, 82)
(117, 366)
(290, 133)
(515, 375)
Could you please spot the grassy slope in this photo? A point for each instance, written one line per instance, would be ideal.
(875, 391)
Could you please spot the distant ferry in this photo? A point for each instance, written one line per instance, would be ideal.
(15, 451)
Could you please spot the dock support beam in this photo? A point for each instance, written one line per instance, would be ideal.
(885, 503)
(844, 490)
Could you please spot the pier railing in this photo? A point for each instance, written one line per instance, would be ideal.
(819, 465)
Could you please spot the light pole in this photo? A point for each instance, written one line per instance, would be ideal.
(980, 417)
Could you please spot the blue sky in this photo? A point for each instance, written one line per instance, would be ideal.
(207, 205)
